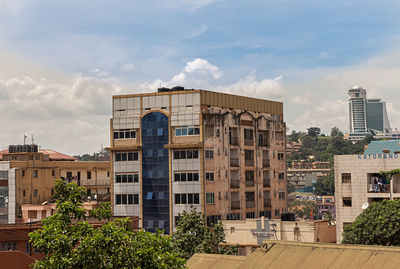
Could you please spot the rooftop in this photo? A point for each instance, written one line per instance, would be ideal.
(385, 146)
(53, 155)
(282, 254)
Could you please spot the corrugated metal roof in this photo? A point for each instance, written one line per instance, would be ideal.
(53, 155)
(381, 147)
(281, 254)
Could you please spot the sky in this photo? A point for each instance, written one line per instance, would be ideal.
(61, 61)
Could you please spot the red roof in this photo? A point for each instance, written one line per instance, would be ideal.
(53, 155)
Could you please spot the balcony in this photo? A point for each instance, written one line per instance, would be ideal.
(249, 183)
(379, 188)
(235, 184)
(267, 202)
(266, 163)
(249, 162)
(234, 141)
(267, 183)
(235, 205)
(234, 162)
(248, 142)
(250, 204)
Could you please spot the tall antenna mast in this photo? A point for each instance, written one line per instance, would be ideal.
(25, 137)
(32, 139)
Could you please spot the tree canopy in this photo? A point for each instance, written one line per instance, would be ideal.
(192, 235)
(325, 185)
(303, 208)
(379, 224)
(69, 241)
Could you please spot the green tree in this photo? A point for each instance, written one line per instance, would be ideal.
(69, 241)
(192, 235)
(303, 208)
(291, 187)
(313, 131)
(379, 224)
(325, 185)
(336, 132)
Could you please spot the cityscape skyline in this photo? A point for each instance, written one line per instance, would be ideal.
(64, 74)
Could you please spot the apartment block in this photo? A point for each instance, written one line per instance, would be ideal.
(358, 182)
(27, 177)
(220, 153)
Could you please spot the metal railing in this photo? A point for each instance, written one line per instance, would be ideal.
(266, 163)
(234, 162)
(235, 184)
(250, 204)
(249, 183)
(234, 141)
(248, 142)
(249, 162)
(235, 205)
(267, 202)
(267, 182)
(379, 187)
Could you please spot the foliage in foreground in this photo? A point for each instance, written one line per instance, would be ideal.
(192, 235)
(69, 241)
(379, 224)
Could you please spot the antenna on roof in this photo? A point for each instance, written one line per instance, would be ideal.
(33, 141)
(25, 137)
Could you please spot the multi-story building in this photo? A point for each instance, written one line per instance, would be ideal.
(223, 154)
(358, 182)
(367, 116)
(304, 174)
(27, 177)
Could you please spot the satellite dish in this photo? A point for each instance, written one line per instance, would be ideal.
(365, 205)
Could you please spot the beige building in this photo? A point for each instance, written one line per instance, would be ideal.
(27, 177)
(223, 154)
(358, 184)
(254, 231)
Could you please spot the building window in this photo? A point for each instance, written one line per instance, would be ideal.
(233, 216)
(69, 174)
(89, 175)
(8, 246)
(124, 134)
(281, 175)
(213, 219)
(209, 176)
(32, 214)
(35, 173)
(346, 201)
(187, 130)
(210, 198)
(187, 176)
(209, 154)
(187, 198)
(127, 199)
(281, 156)
(276, 212)
(108, 173)
(23, 193)
(266, 214)
(127, 178)
(346, 178)
(250, 215)
(281, 195)
(186, 154)
(23, 173)
(126, 156)
(248, 134)
(35, 193)
(53, 173)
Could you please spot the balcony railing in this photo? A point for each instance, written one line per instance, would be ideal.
(249, 183)
(235, 205)
(267, 202)
(266, 163)
(234, 162)
(250, 204)
(266, 182)
(263, 143)
(380, 187)
(248, 142)
(235, 184)
(234, 141)
(249, 162)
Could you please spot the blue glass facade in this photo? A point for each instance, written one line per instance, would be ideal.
(155, 169)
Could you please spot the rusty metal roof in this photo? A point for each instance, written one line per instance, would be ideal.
(53, 155)
(281, 254)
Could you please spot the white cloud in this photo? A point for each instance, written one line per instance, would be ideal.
(196, 74)
(326, 115)
(129, 67)
(304, 99)
(250, 86)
